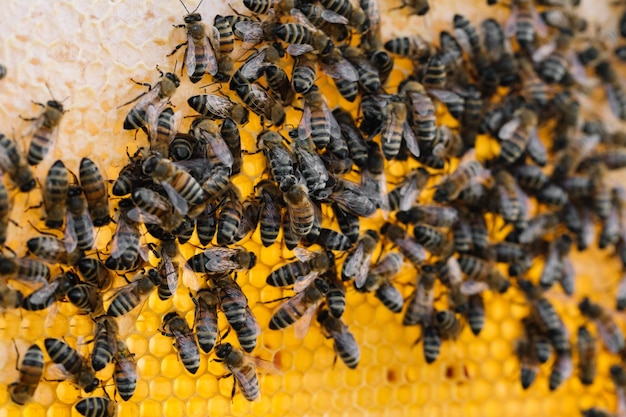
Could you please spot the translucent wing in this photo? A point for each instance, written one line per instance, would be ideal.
(170, 273)
(299, 17)
(210, 54)
(219, 106)
(471, 287)
(410, 139)
(219, 146)
(507, 129)
(543, 52)
(252, 31)
(218, 259)
(333, 17)
(177, 200)
(303, 282)
(190, 56)
(120, 246)
(304, 128)
(352, 264)
(153, 122)
(44, 293)
(304, 254)
(333, 126)
(340, 69)
(536, 149)
(510, 26)
(70, 237)
(301, 327)
(361, 275)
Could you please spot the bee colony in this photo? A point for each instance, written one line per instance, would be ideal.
(414, 214)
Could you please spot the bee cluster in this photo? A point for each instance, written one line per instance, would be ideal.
(482, 87)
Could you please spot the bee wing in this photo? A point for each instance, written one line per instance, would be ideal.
(335, 130)
(190, 56)
(304, 127)
(422, 104)
(153, 123)
(252, 31)
(352, 264)
(53, 310)
(334, 17)
(140, 215)
(507, 129)
(410, 139)
(170, 272)
(210, 54)
(219, 258)
(219, 146)
(390, 127)
(301, 327)
(361, 274)
(300, 18)
(295, 49)
(538, 22)
(149, 98)
(536, 149)
(445, 96)
(177, 200)
(303, 282)
(44, 293)
(190, 279)
(264, 366)
(463, 40)
(252, 68)
(510, 26)
(70, 237)
(119, 246)
(218, 105)
(472, 287)
(340, 69)
(304, 254)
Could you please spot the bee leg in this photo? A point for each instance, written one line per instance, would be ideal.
(176, 49)
(17, 352)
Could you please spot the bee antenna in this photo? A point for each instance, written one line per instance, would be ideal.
(197, 7)
(49, 90)
(185, 6)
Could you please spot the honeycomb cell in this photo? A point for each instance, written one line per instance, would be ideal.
(160, 345)
(218, 404)
(58, 410)
(171, 367)
(148, 366)
(292, 381)
(160, 388)
(67, 392)
(150, 407)
(312, 380)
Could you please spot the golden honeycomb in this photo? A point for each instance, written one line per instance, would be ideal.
(87, 52)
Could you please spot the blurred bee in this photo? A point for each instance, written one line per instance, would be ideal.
(357, 148)
(349, 223)
(200, 55)
(415, 7)
(129, 296)
(51, 249)
(397, 127)
(248, 331)
(92, 184)
(104, 342)
(45, 131)
(614, 89)
(215, 260)
(131, 176)
(414, 47)
(420, 309)
(448, 325)
(467, 35)
(608, 330)
(211, 141)
(509, 196)
(176, 327)
(554, 267)
(14, 164)
(125, 371)
(379, 281)
(163, 132)
(215, 106)
(301, 272)
(410, 249)
(516, 134)
(368, 74)
(357, 262)
(79, 229)
(299, 206)
(28, 271)
(31, 370)
(73, 364)
(261, 103)
(434, 215)
(587, 356)
(556, 59)
(317, 121)
(467, 172)
(373, 178)
(600, 190)
(94, 272)
(422, 113)
(432, 343)
(232, 300)
(55, 194)
(3, 71)
(330, 22)
(525, 23)
(527, 356)
(205, 318)
(300, 308)
(344, 343)
(481, 271)
(96, 407)
(433, 240)
(125, 246)
(534, 88)
(332, 240)
(352, 198)
(157, 97)
(562, 369)
(279, 84)
(226, 37)
(9, 297)
(355, 15)
(476, 313)
(43, 297)
(243, 369)
(182, 189)
(406, 193)
(87, 298)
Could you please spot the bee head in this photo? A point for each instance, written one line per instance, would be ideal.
(193, 18)
(149, 165)
(322, 315)
(92, 385)
(173, 78)
(223, 350)
(55, 105)
(153, 275)
(169, 316)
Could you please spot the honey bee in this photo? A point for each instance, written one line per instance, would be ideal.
(517, 134)
(163, 131)
(94, 272)
(5, 212)
(434, 215)
(230, 218)
(422, 113)
(76, 366)
(279, 83)
(28, 271)
(304, 73)
(509, 196)
(481, 271)
(200, 55)
(352, 198)
(243, 369)
(270, 213)
(410, 249)
(476, 313)
(131, 176)
(129, 296)
(468, 171)
(433, 240)
(357, 261)
(125, 371)
(92, 184)
(232, 300)
(562, 369)
(9, 297)
(55, 194)
(51, 249)
(330, 22)
(301, 272)
(87, 298)
(230, 134)
(415, 7)
(157, 97)
(176, 327)
(432, 343)
(317, 120)
(397, 127)
(261, 103)
(15, 165)
(299, 206)
(96, 407)
(554, 267)
(125, 247)
(448, 325)
(368, 74)
(587, 356)
(79, 229)
(608, 330)
(344, 75)
(525, 23)
(406, 193)
(104, 342)
(279, 157)
(302, 36)
(45, 130)
(226, 35)
(420, 309)
(50, 292)
(528, 360)
(210, 139)
(379, 281)
(31, 370)
(414, 47)
(205, 318)
(349, 223)
(344, 343)
(300, 308)
(248, 331)
(215, 106)
(217, 260)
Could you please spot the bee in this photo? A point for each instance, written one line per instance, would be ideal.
(131, 176)
(248, 331)
(357, 262)
(304, 73)
(587, 356)
(55, 194)
(243, 368)
(5, 211)
(125, 371)
(317, 120)
(232, 300)
(349, 223)
(46, 128)
(410, 249)
(344, 343)
(432, 343)
(422, 113)
(270, 213)
(562, 369)
(200, 55)
(609, 332)
(205, 318)
(476, 313)
(528, 359)
(406, 193)
(414, 47)
(448, 325)
(261, 103)
(368, 75)
(379, 281)
(156, 97)
(80, 227)
(600, 190)
(508, 192)
(303, 36)
(524, 22)
(481, 271)
(210, 140)
(433, 240)
(216, 260)
(163, 131)
(556, 64)
(415, 7)
(176, 327)
(217, 182)
(279, 83)
(9, 297)
(94, 272)
(26, 270)
(73, 363)
(516, 135)
(434, 215)
(230, 134)
(129, 296)
(373, 178)
(126, 248)
(299, 206)
(14, 164)
(300, 308)
(96, 407)
(308, 267)
(87, 298)
(92, 184)
(553, 269)
(352, 198)
(534, 88)
(383, 63)
(420, 309)
(104, 342)
(226, 35)
(51, 249)
(279, 157)
(344, 75)
(49, 293)
(467, 35)
(397, 127)
(330, 22)
(230, 218)
(357, 148)
(468, 171)
(31, 370)
(332, 240)
(215, 106)
(206, 224)
(355, 15)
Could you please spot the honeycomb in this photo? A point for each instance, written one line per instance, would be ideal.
(86, 52)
